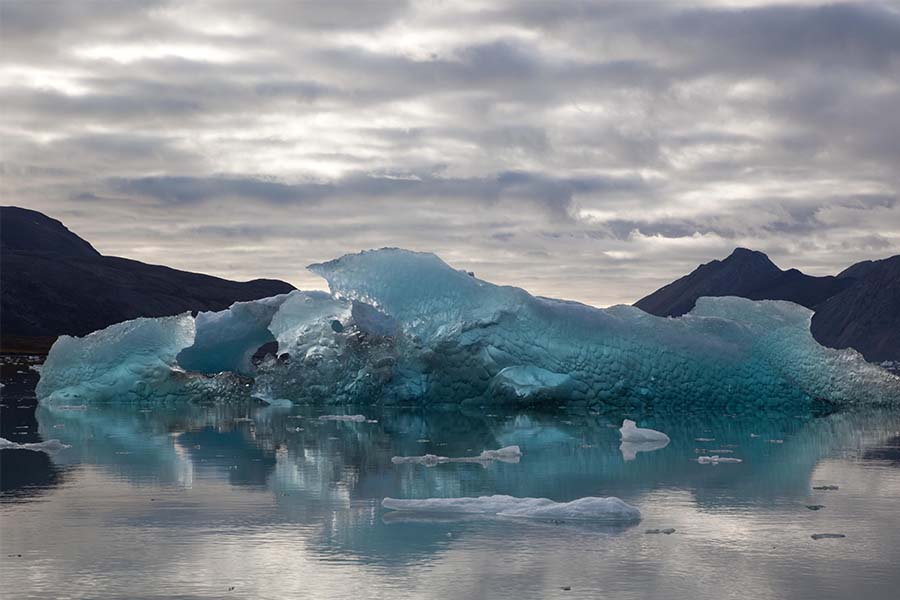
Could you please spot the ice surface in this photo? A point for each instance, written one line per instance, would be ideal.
(508, 454)
(126, 361)
(636, 435)
(226, 340)
(586, 509)
(403, 327)
(49, 446)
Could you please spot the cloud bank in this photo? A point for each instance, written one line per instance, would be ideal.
(583, 150)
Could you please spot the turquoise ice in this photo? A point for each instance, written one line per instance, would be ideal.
(405, 328)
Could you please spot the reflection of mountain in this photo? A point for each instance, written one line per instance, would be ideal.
(329, 477)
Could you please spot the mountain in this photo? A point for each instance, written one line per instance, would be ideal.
(745, 273)
(52, 282)
(866, 315)
(859, 308)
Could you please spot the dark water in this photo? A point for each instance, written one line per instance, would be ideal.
(253, 502)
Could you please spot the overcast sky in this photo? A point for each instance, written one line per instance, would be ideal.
(590, 151)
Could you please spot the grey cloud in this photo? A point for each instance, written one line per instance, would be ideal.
(624, 140)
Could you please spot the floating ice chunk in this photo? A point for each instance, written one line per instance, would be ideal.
(428, 460)
(349, 418)
(667, 530)
(583, 509)
(634, 434)
(826, 488)
(716, 459)
(509, 454)
(49, 446)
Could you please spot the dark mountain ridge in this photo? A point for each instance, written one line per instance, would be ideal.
(52, 282)
(859, 308)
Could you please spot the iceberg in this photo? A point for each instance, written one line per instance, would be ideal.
(401, 327)
(583, 509)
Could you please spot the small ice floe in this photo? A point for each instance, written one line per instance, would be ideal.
(704, 439)
(610, 509)
(348, 418)
(638, 439)
(667, 530)
(715, 459)
(827, 536)
(754, 435)
(634, 434)
(36, 368)
(826, 488)
(776, 441)
(508, 454)
(815, 506)
(50, 446)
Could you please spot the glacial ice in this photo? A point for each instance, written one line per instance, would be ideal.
(405, 328)
(507, 454)
(583, 509)
(48, 446)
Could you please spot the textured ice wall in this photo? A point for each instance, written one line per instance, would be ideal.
(404, 327)
(132, 361)
(226, 340)
(466, 340)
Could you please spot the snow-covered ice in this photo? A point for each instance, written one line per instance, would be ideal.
(583, 509)
(404, 327)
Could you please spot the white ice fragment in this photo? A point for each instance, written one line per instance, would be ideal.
(716, 459)
(508, 454)
(49, 446)
(634, 434)
(349, 418)
(583, 509)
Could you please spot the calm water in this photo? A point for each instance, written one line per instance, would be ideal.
(251, 502)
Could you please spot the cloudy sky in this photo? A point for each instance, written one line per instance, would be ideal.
(591, 151)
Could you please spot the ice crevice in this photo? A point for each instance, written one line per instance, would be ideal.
(405, 328)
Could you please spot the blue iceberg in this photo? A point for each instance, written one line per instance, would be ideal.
(403, 327)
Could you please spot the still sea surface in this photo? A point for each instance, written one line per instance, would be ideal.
(248, 501)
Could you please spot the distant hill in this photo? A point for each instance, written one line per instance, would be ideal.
(858, 308)
(866, 315)
(52, 282)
